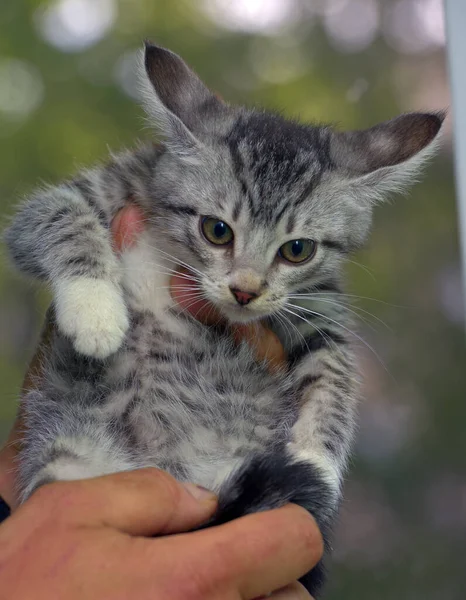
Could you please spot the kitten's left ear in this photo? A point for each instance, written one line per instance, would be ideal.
(386, 157)
(178, 100)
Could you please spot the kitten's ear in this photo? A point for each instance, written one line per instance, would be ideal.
(178, 100)
(386, 157)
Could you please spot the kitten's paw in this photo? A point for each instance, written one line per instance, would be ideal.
(93, 314)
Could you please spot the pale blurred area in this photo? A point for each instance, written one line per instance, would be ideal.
(68, 93)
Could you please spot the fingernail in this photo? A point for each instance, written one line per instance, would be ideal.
(201, 494)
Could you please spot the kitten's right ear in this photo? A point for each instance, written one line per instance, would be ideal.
(177, 99)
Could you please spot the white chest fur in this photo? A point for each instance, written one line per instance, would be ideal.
(146, 278)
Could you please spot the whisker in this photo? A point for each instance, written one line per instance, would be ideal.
(167, 270)
(368, 346)
(212, 308)
(190, 295)
(178, 287)
(363, 267)
(284, 324)
(173, 259)
(320, 331)
(194, 300)
(353, 311)
(180, 262)
(288, 320)
(314, 294)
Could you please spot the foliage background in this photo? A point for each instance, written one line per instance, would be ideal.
(67, 94)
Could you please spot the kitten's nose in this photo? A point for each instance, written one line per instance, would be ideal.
(243, 297)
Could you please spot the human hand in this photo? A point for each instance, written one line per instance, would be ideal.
(127, 225)
(94, 539)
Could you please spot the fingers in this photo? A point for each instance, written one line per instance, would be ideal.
(127, 225)
(255, 554)
(145, 502)
(294, 546)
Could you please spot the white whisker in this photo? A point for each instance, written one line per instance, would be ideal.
(368, 346)
(363, 267)
(328, 293)
(320, 331)
(353, 310)
(288, 320)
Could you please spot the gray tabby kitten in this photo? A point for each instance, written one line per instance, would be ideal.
(262, 211)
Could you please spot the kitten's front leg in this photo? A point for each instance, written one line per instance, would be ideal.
(309, 470)
(62, 235)
(327, 389)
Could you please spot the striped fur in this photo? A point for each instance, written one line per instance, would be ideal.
(131, 380)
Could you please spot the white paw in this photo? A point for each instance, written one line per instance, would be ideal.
(93, 314)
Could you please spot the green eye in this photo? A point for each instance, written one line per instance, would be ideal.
(216, 231)
(298, 251)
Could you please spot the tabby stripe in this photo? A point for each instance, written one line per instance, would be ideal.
(333, 245)
(238, 167)
(180, 209)
(236, 210)
(326, 286)
(313, 343)
(307, 381)
(57, 453)
(307, 191)
(280, 213)
(58, 215)
(291, 224)
(87, 192)
(83, 260)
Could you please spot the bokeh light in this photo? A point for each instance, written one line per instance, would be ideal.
(415, 26)
(73, 25)
(352, 25)
(264, 16)
(21, 88)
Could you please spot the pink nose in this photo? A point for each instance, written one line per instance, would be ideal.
(243, 297)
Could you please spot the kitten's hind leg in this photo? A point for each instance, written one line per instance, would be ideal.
(64, 443)
(271, 480)
(68, 459)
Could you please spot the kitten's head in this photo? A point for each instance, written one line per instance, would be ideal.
(261, 206)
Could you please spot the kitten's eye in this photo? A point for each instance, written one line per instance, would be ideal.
(216, 231)
(298, 251)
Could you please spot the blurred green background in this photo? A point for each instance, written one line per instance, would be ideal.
(68, 93)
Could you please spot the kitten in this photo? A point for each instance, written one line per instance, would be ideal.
(262, 211)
